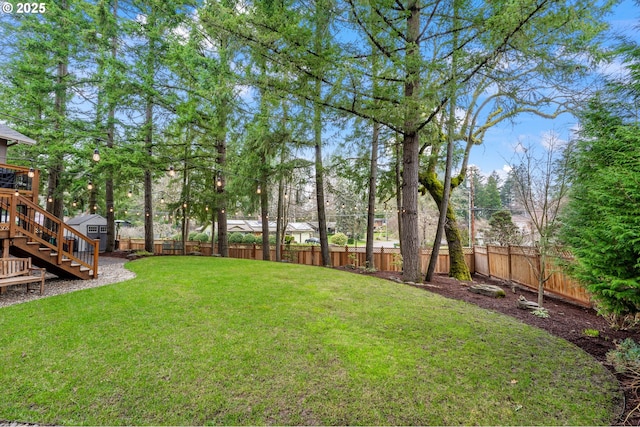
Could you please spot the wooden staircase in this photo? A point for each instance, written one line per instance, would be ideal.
(27, 230)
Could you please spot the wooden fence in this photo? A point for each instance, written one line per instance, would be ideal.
(521, 264)
(385, 259)
(516, 264)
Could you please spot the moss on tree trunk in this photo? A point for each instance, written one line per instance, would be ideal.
(458, 268)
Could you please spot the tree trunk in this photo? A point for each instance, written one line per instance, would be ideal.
(371, 208)
(458, 267)
(322, 213)
(398, 179)
(111, 114)
(264, 214)
(280, 219)
(223, 236)
(148, 181)
(411, 149)
(60, 105)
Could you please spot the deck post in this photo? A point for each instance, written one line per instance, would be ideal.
(96, 248)
(60, 242)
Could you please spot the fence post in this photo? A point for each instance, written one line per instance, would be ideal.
(488, 262)
(509, 261)
(313, 254)
(253, 255)
(382, 263)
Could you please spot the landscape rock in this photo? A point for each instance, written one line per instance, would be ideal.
(488, 290)
(525, 304)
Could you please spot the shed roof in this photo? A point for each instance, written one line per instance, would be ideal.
(11, 135)
(81, 219)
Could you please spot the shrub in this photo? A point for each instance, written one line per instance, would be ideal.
(249, 239)
(289, 239)
(192, 236)
(272, 240)
(339, 239)
(625, 358)
(200, 237)
(236, 237)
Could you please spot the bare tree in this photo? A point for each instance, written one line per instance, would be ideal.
(541, 183)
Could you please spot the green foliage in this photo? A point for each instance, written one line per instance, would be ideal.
(502, 231)
(487, 196)
(250, 239)
(289, 239)
(541, 312)
(339, 239)
(591, 333)
(200, 237)
(236, 237)
(602, 220)
(625, 357)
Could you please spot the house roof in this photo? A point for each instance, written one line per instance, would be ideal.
(81, 219)
(11, 135)
(299, 227)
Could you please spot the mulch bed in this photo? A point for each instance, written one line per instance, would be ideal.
(566, 320)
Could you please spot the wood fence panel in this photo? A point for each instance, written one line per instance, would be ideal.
(524, 266)
(499, 262)
(560, 284)
(481, 260)
(515, 263)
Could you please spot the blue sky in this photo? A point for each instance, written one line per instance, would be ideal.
(498, 148)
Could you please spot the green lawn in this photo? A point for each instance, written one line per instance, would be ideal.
(198, 340)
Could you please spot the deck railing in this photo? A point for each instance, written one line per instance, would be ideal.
(22, 217)
(17, 178)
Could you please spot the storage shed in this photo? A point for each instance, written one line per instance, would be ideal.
(91, 225)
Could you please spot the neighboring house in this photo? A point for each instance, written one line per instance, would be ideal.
(300, 231)
(93, 226)
(331, 227)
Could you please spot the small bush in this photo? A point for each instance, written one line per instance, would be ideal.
(625, 358)
(236, 237)
(591, 333)
(200, 237)
(272, 240)
(192, 236)
(289, 240)
(339, 239)
(249, 239)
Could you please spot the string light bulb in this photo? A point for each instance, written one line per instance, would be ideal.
(219, 181)
(96, 155)
(74, 204)
(162, 199)
(130, 193)
(90, 185)
(50, 198)
(17, 193)
(258, 190)
(172, 171)
(31, 173)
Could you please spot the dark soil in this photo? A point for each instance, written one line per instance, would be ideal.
(566, 320)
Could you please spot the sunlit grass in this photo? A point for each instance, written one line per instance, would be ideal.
(196, 340)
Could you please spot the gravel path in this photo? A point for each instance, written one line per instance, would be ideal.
(110, 270)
